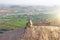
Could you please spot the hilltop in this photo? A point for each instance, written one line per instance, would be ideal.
(33, 33)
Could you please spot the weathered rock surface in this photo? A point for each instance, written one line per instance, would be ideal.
(33, 33)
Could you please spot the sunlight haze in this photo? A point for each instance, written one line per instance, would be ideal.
(31, 2)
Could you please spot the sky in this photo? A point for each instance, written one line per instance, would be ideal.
(31, 2)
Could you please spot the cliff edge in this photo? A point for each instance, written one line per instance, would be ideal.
(33, 33)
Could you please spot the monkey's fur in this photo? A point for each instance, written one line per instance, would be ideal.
(29, 24)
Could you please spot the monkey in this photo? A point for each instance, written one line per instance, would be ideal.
(29, 24)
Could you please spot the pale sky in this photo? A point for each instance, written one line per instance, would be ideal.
(31, 2)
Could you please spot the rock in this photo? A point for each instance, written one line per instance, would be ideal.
(34, 33)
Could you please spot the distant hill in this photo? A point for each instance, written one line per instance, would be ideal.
(17, 9)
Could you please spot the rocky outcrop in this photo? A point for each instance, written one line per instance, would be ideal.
(33, 33)
(41, 33)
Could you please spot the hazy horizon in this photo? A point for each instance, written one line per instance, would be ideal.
(31, 2)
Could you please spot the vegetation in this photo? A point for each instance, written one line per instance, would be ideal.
(19, 21)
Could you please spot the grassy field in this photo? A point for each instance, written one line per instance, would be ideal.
(18, 21)
(11, 22)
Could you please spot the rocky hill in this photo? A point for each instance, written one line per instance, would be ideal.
(33, 33)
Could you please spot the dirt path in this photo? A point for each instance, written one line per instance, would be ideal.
(12, 35)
